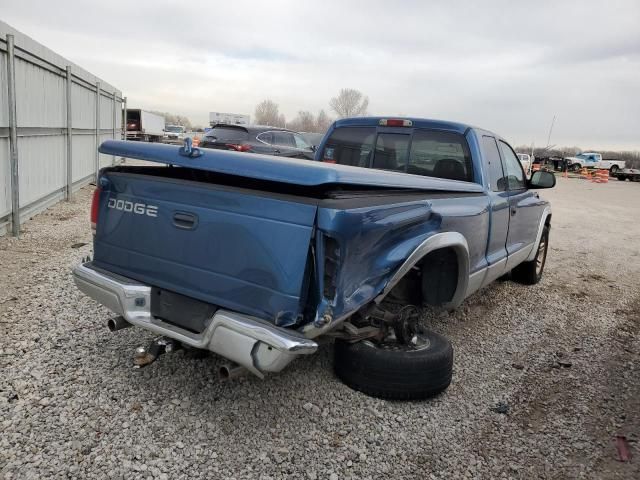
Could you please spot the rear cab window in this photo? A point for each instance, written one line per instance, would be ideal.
(223, 134)
(416, 151)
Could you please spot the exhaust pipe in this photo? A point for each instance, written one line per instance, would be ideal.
(231, 371)
(117, 323)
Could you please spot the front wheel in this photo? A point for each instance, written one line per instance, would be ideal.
(576, 167)
(420, 369)
(613, 170)
(530, 273)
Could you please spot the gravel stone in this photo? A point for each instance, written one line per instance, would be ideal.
(72, 406)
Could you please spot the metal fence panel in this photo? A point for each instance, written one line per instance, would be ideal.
(41, 166)
(4, 111)
(5, 172)
(5, 176)
(106, 112)
(44, 156)
(83, 156)
(40, 97)
(83, 108)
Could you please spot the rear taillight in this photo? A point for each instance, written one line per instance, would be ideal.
(239, 147)
(95, 207)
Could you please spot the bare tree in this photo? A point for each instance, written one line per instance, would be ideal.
(267, 113)
(322, 122)
(304, 122)
(349, 103)
(173, 119)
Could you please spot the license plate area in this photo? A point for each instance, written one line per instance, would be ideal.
(180, 310)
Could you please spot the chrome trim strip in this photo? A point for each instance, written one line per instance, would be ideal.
(519, 256)
(494, 271)
(534, 249)
(476, 280)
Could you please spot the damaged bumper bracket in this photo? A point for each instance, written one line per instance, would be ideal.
(255, 344)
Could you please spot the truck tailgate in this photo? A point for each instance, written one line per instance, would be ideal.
(240, 249)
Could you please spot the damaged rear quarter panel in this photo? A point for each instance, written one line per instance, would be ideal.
(375, 240)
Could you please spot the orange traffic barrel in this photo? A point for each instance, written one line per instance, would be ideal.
(603, 176)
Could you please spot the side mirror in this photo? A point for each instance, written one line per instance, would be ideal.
(542, 179)
(313, 148)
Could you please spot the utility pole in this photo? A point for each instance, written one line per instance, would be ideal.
(551, 130)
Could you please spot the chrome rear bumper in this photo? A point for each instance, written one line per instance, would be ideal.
(253, 343)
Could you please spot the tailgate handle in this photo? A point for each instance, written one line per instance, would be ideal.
(185, 220)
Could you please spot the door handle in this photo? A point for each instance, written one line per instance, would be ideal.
(185, 220)
(513, 211)
(276, 151)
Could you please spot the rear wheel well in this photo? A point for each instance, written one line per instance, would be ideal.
(432, 281)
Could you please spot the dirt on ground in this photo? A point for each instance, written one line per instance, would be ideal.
(546, 378)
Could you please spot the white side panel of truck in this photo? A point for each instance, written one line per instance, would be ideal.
(152, 124)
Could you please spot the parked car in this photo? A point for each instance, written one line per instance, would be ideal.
(257, 257)
(258, 139)
(594, 160)
(311, 138)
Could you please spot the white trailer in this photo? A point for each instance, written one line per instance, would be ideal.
(228, 118)
(144, 126)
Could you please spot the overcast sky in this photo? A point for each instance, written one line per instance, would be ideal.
(505, 67)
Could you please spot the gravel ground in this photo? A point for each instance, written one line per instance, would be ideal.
(561, 358)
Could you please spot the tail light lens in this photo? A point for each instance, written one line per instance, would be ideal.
(239, 147)
(395, 122)
(95, 207)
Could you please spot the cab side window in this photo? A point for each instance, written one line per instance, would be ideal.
(283, 139)
(497, 181)
(266, 137)
(513, 168)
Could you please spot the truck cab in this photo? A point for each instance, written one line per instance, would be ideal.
(174, 134)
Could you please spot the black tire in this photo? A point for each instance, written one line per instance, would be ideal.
(622, 178)
(530, 273)
(400, 374)
(613, 170)
(576, 167)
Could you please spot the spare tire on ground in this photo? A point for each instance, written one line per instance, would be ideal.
(395, 371)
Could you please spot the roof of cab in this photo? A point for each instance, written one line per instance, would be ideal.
(417, 123)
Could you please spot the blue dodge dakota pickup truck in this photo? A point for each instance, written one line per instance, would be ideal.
(256, 258)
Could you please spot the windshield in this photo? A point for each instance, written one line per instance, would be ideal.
(174, 129)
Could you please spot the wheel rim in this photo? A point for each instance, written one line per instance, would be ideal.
(417, 343)
(541, 256)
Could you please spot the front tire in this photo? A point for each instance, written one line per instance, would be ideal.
(530, 273)
(613, 170)
(400, 372)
